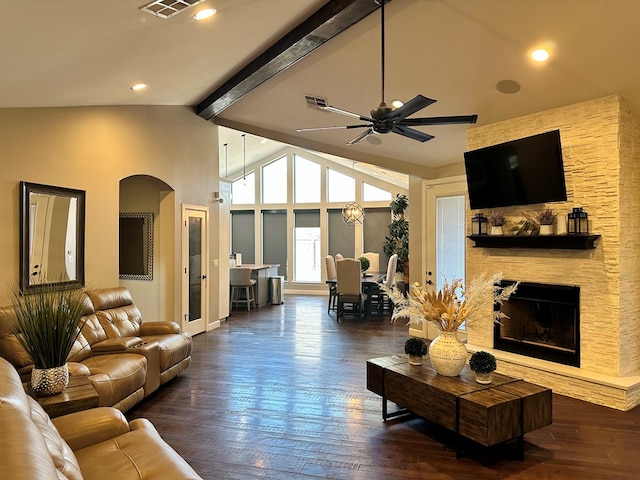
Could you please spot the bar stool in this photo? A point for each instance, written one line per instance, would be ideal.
(240, 278)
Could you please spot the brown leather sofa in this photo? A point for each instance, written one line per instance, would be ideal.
(125, 359)
(92, 444)
(119, 318)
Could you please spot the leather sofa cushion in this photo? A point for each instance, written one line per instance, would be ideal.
(173, 348)
(116, 375)
(27, 434)
(10, 348)
(140, 453)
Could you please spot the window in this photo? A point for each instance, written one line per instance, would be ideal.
(243, 190)
(374, 194)
(340, 187)
(274, 181)
(306, 233)
(306, 181)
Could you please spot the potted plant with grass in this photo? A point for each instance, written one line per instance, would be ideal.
(546, 218)
(47, 323)
(482, 364)
(497, 220)
(364, 264)
(416, 348)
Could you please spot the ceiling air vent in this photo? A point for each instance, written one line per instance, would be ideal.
(168, 8)
(316, 102)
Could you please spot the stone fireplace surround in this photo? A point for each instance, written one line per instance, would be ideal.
(601, 151)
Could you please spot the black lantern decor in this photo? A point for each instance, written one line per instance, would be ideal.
(479, 224)
(578, 222)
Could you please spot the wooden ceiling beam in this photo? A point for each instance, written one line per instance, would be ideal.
(327, 22)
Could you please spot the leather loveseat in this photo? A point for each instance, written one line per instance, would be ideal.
(125, 359)
(92, 444)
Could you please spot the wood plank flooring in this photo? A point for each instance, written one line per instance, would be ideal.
(279, 393)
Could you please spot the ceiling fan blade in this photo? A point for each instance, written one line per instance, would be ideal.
(339, 127)
(347, 113)
(411, 133)
(450, 120)
(409, 108)
(360, 137)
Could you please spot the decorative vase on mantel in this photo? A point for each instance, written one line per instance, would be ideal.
(49, 381)
(448, 354)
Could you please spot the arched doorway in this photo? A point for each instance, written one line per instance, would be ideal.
(154, 293)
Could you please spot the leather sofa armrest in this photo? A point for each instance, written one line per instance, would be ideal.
(78, 369)
(159, 328)
(88, 427)
(114, 345)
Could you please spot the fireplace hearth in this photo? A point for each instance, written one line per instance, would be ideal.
(544, 323)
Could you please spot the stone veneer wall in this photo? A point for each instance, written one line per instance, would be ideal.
(600, 144)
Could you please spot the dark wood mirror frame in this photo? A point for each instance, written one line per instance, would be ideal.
(53, 218)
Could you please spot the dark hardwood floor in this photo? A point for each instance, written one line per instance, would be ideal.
(279, 393)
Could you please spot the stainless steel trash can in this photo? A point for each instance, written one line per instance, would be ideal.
(276, 290)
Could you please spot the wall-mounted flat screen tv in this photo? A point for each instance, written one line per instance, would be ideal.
(520, 172)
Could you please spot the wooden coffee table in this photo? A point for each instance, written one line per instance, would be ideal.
(490, 414)
(79, 395)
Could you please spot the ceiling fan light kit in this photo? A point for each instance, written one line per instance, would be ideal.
(385, 119)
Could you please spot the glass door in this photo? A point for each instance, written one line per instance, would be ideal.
(446, 240)
(195, 258)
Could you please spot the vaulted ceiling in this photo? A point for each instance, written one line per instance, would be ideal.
(86, 52)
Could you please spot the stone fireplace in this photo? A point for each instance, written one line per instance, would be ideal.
(541, 321)
(601, 153)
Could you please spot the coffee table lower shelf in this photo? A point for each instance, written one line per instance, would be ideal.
(490, 414)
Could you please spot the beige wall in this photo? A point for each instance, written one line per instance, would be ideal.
(92, 149)
(600, 150)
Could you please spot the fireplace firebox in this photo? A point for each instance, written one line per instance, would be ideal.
(544, 322)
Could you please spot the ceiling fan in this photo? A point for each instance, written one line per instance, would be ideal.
(385, 119)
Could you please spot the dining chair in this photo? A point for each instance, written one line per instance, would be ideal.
(374, 262)
(339, 256)
(240, 279)
(389, 281)
(331, 274)
(349, 287)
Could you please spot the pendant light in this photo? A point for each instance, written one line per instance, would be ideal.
(353, 212)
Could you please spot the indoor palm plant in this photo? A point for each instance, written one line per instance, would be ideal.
(482, 364)
(416, 348)
(398, 239)
(47, 323)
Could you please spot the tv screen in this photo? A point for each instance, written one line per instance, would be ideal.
(521, 172)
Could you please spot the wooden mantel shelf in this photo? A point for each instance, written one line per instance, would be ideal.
(576, 242)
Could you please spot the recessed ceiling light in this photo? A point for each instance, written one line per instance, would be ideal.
(540, 55)
(138, 86)
(205, 13)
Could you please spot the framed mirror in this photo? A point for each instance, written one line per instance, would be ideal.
(136, 246)
(51, 236)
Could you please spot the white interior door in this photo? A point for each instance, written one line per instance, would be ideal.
(446, 239)
(195, 290)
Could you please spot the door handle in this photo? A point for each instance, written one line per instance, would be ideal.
(204, 277)
(429, 282)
